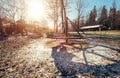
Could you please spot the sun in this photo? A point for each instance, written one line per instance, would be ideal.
(36, 10)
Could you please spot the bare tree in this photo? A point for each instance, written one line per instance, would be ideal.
(13, 9)
(80, 7)
(53, 12)
(65, 9)
(9, 9)
(22, 9)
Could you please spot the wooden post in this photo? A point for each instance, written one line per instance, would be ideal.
(66, 33)
(64, 20)
(62, 16)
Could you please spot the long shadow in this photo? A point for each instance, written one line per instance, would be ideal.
(60, 59)
(92, 52)
(63, 61)
(109, 70)
(118, 50)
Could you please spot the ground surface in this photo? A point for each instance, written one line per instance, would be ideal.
(24, 57)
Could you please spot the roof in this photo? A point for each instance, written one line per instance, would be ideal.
(89, 27)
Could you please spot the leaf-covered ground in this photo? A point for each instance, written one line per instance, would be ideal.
(25, 57)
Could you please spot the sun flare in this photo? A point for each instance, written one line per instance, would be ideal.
(36, 10)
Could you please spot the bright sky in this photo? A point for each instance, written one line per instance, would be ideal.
(91, 4)
(37, 9)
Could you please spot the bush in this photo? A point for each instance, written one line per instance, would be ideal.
(46, 31)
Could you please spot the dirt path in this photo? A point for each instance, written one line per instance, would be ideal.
(23, 57)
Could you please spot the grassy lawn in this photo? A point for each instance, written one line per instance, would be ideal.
(100, 34)
(111, 33)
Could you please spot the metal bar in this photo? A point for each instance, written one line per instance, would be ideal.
(75, 27)
(66, 38)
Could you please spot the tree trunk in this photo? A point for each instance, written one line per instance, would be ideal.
(64, 19)
(62, 16)
(55, 26)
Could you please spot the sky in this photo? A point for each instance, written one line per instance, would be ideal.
(91, 4)
(37, 11)
(36, 14)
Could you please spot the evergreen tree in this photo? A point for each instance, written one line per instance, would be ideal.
(92, 17)
(118, 20)
(103, 17)
(112, 16)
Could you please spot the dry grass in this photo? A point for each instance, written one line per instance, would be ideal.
(23, 57)
(103, 34)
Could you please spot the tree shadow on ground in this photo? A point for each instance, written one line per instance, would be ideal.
(118, 50)
(67, 67)
(62, 60)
